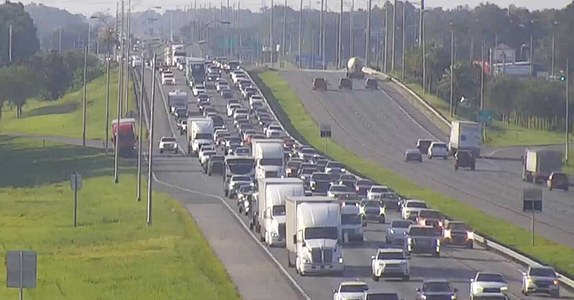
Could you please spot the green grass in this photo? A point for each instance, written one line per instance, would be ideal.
(278, 91)
(498, 134)
(112, 254)
(64, 116)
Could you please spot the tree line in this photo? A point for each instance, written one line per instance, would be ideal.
(31, 74)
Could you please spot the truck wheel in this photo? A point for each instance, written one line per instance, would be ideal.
(226, 192)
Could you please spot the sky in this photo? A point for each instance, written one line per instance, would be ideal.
(88, 7)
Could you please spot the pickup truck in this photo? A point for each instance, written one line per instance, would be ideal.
(350, 290)
(390, 262)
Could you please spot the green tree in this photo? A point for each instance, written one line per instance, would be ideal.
(17, 84)
(53, 73)
(24, 40)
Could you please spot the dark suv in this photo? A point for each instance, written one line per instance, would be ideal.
(371, 84)
(558, 180)
(346, 83)
(464, 159)
(319, 84)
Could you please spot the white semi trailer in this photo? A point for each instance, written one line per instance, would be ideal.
(270, 222)
(312, 226)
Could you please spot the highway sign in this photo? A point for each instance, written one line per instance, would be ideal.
(484, 116)
(21, 267)
(76, 181)
(325, 131)
(532, 200)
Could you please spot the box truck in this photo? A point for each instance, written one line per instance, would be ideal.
(200, 132)
(465, 135)
(537, 165)
(126, 130)
(269, 157)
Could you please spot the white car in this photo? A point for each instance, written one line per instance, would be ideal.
(198, 89)
(274, 133)
(337, 189)
(231, 107)
(205, 155)
(168, 144)
(350, 290)
(167, 78)
(438, 149)
(376, 191)
(390, 262)
(204, 149)
(234, 183)
(240, 111)
(221, 85)
(272, 126)
(486, 283)
(411, 208)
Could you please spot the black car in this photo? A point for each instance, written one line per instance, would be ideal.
(436, 289)
(217, 121)
(381, 296)
(371, 84)
(346, 83)
(423, 239)
(215, 165)
(558, 180)
(362, 186)
(319, 84)
(464, 159)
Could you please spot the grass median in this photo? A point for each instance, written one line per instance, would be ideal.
(112, 254)
(277, 90)
(63, 117)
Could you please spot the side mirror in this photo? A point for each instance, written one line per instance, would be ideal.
(294, 239)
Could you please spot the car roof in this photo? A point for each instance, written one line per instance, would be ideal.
(415, 200)
(390, 250)
(352, 282)
(433, 280)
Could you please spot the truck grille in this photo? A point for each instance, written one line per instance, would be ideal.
(438, 297)
(543, 283)
(322, 256)
(491, 290)
(282, 231)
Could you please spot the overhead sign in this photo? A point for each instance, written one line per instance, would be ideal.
(21, 267)
(532, 200)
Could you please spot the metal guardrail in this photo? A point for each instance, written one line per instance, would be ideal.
(489, 244)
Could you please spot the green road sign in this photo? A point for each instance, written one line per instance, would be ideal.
(484, 116)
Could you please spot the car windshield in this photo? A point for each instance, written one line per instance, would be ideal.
(307, 171)
(293, 164)
(353, 288)
(400, 224)
(438, 286)
(165, 139)
(390, 255)
(372, 204)
(542, 272)
(379, 189)
(490, 277)
(382, 296)
(321, 233)
(321, 177)
(338, 188)
(245, 188)
(441, 145)
(430, 214)
(458, 226)
(240, 167)
(242, 150)
(333, 164)
(278, 210)
(422, 231)
(240, 178)
(364, 182)
(209, 152)
(416, 204)
(216, 158)
(559, 176)
(350, 219)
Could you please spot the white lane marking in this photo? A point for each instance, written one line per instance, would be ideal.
(277, 263)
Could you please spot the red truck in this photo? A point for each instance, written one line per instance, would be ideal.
(126, 129)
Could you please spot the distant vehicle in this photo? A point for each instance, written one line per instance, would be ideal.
(345, 83)
(319, 84)
(458, 233)
(355, 68)
(371, 295)
(390, 262)
(372, 210)
(168, 144)
(371, 84)
(540, 279)
(486, 283)
(397, 232)
(558, 180)
(350, 290)
(411, 208)
(423, 239)
(423, 145)
(125, 129)
(464, 159)
(438, 149)
(198, 89)
(465, 135)
(167, 78)
(537, 165)
(214, 165)
(436, 289)
(413, 155)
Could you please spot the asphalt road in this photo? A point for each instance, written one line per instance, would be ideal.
(259, 273)
(381, 125)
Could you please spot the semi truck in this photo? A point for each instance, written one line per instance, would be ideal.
(177, 99)
(195, 70)
(125, 129)
(538, 164)
(465, 135)
(199, 132)
(272, 193)
(355, 68)
(175, 53)
(312, 226)
(269, 157)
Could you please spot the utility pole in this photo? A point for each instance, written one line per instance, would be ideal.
(107, 123)
(340, 44)
(368, 35)
(284, 34)
(140, 125)
(451, 69)
(323, 36)
(531, 58)
(271, 46)
(386, 36)
(393, 32)
(150, 150)
(127, 55)
(567, 131)
(482, 104)
(422, 44)
(351, 29)
(120, 93)
(59, 40)
(10, 43)
(84, 98)
(553, 46)
(300, 35)
(403, 36)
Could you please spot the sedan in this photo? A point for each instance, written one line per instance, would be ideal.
(413, 155)
(397, 232)
(436, 289)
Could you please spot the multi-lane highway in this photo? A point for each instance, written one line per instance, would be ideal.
(262, 273)
(381, 125)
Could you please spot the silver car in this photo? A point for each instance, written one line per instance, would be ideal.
(397, 232)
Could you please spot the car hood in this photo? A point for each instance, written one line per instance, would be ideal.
(399, 231)
(542, 278)
(321, 243)
(391, 261)
(351, 296)
(486, 284)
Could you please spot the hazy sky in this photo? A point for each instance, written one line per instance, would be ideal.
(88, 7)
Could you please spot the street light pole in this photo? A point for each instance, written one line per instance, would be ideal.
(351, 28)
(284, 31)
(10, 43)
(393, 32)
(451, 68)
(107, 124)
(422, 44)
(84, 98)
(368, 35)
(271, 46)
(300, 33)
(567, 131)
(150, 149)
(403, 50)
(140, 125)
(324, 36)
(553, 47)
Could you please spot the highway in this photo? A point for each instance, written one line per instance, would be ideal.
(263, 274)
(381, 125)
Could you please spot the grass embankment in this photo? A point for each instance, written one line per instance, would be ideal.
(497, 134)
(63, 117)
(549, 252)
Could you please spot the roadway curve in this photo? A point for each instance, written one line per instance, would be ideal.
(380, 125)
(263, 274)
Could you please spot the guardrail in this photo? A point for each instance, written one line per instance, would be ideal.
(489, 244)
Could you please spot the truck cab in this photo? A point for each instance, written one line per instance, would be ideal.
(200, 133)
(269, 157)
